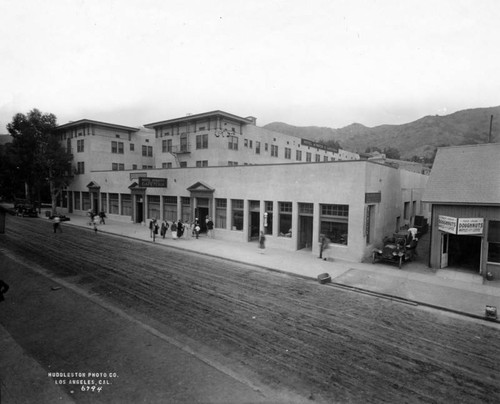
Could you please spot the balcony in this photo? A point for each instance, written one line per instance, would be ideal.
(181, 149)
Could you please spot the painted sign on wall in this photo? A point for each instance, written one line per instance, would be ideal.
(151, 182)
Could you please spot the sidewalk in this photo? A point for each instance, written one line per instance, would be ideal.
(453, 291)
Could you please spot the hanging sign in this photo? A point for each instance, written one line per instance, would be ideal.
(471, 225)
(447, 224)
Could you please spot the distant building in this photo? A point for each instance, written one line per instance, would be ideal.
(464, 190)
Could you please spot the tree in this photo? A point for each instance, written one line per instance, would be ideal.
(392, 153)
(39, 155)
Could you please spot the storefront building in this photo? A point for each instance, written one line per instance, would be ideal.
(464, 190)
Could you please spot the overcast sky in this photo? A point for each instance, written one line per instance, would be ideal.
(303, 62)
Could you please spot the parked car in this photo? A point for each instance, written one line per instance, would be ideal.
(397, 249)
(26, 210)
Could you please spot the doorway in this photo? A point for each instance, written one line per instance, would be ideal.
(464, 252)
(201, 214)
(305, 232)
(96, 205)
(140, 212)
(254, 226)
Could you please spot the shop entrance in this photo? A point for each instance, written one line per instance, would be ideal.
(254, 226)
(305, 232)
(201, 214)
(461, 252)
(140, 212)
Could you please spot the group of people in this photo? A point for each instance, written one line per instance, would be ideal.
(179, 229)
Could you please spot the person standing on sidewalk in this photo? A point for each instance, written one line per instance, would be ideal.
(262, 242)
(323, 245)
(164, 228)
(180, 229)
(210, 228)
(173, 230)
(102, 216)
(196, 228)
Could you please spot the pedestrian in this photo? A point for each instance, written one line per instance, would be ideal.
(180, 229)
(173, 230)
(90, 214)
(151, 227)
(57, 224)
(102, 216)
(155, 229)
(3, 289)
(164, 228)
(324, 243)
(96, 222)
(262, 242)
(210, 228)
(196, 228)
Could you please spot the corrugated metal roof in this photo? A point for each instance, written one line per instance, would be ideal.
(465, 175)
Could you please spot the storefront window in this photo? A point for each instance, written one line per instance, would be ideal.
(494, 241)
(237, 214)
(77, 201)
(127, 205)
(186, 209)
(170, 208)
(221, 213)
(285, 219)
(113, 204)
(334, 223)
(268, 224)
(104, 204)
(85, 201)
(154, 207)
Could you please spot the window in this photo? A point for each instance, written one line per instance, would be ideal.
(117, 147)
(166, 145)
(183, 164)
(153, 206)
(170, 208)
(288, 153)
(308, 157)
(306, 209)
(274, 150)
(126, 205)
(406, 214)
(257, 147)
(250, 144)
(121, 167)
(221, 213)
(79, 145)
(245, 142)
(494, 241)
(285, 219)
(202, 163)
(80, 167)
(237, 214)
(184, 142)
(147, 151)
(325, 158)
(318, 158)
(68, 145)
(202, 141)
(232, 163)
(268, 223)
(114, 166)
(186, 209)
(298, 155)
(266, 146)
(134, 166)
(334, 223)
(104, 203)
(232, 143)
(132, 147)
(113, 204)
(166, 165)
(85, 201)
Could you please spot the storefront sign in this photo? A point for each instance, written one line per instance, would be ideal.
(473, 225)
(447, 224)
(151, 182)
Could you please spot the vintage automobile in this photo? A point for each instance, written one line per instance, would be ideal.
(397, 249)
(26, 210)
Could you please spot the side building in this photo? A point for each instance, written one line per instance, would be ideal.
(464, 193)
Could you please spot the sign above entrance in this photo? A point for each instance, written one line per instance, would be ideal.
(461, 226)
(447, 224)
(151, 182)
(473, 225)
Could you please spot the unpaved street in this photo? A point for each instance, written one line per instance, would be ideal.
(324, 343)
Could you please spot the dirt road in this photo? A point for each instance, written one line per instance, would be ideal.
(321, 342)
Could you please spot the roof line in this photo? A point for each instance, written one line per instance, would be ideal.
(198, 116)
(90, 121)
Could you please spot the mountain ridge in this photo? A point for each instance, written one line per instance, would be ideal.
(417, 138)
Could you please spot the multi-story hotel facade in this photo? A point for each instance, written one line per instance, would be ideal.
(248, 179)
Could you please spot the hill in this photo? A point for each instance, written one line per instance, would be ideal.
(418, 138)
